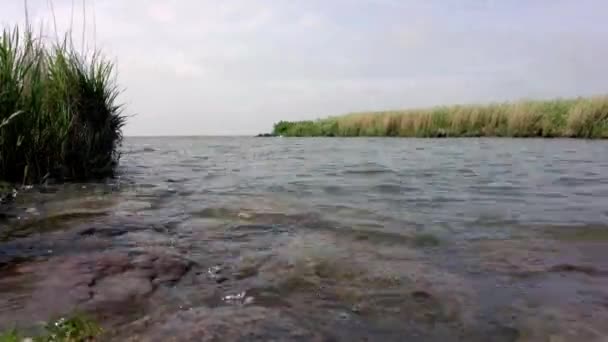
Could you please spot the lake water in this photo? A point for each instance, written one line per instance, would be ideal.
(321, 239)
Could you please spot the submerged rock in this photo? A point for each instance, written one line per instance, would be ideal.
(8, 196)
(103, 282)
(250, 323)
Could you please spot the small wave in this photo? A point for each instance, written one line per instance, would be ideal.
(574, 181)
(377, 236)
(334, 190)
(584, 269)
(499, 188)
(466, 172)
(215, 213)
(389, 188)
(177, 180)
(140, 150)
(146, 186)
(368, 172)
(551, 195)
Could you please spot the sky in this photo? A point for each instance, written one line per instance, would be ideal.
(235, 67)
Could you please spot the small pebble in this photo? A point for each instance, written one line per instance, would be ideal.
(32, 211)
(244, 216)
(235, 297)
(214, 270)
(344, 316)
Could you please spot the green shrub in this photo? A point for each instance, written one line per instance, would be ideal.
(11, 336)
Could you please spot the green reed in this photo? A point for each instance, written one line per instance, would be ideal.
(58, 109)
(576, 118)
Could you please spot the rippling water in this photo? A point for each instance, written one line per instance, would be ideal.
(321, 239)
(462, 185)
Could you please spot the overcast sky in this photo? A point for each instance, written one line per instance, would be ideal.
(208, 67)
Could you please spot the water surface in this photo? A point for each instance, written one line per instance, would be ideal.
(321, 239)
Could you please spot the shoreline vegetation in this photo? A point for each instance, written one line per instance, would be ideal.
(59, 115)
(560, 118)
(73, 329)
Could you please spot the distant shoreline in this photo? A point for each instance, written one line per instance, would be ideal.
(585, 118)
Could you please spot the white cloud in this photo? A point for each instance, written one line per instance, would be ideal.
(162, 12)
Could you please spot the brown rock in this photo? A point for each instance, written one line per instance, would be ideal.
(104, 282)
(222, 324)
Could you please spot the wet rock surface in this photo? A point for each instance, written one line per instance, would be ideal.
(543, 288)
(104, 283)
(224, 324)
(298, 279)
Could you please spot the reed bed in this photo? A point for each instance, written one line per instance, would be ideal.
(58, 110)
(574, 118)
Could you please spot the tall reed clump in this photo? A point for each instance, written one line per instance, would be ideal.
(58, 110)
(575, 118)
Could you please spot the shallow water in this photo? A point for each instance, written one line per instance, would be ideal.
(321, 239)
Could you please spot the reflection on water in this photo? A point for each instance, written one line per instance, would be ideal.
(321, 239)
